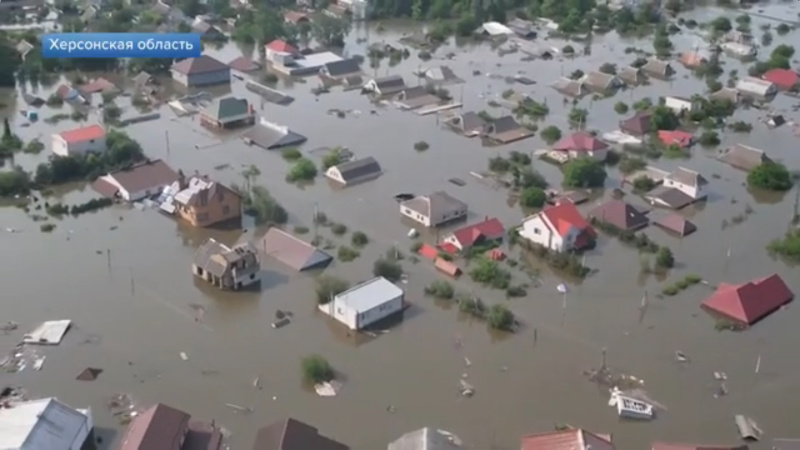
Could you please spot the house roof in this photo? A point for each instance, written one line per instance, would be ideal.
(269, 135)
(504, 124)
(672, 446)
(442, 74)
(427, 439)
(342, 68)
(204, 257)
(292, 434)
(428, 251)
(435, 204)
(750, 302)
(783, 78)
(692, 59)
(244, 64)
(160, 427)
(40, 424)
(472, 121)
(678, 137)
(99, 85)
(279, 45)
(622, 215)
(290, 250)
(727, 93)
(390, 84)
(488, 229)
(358, 168)
(201, 187)
(141, 177)
(410, 93)
(744, 157)
(687, 177)
(447, 267)
(657, 67)
(677, 224)
(567, 440)
(83, 134)
(630, 75)
(754, 85)
(566, 86)
(600, 80)
(580, 141)
(369, 294)
(199, 65)
(638, 125)
(295, 16)
(671, 197)
(227, 107)
(565, 216)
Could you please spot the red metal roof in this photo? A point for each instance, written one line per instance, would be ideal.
(669, 446)
(489, 229)
(581, 142)
(83, 134)
(783, 78)
(427, 251)
(669, 137)
(749, 302)
(496, 254)
(564, 216)
(448, 248)
(281, 46)
(567, 440)
(447, 267)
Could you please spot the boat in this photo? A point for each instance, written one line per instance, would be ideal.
(629, 407)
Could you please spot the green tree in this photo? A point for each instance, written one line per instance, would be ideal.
(389, 269)
(302, 170)
(771, 176)
(551, 134)
(10, 62)
(584, 173)
(500, 317)
(709, 139)
(316, 369)
(263, 206)
(359, 239)
(664, 258)
(664, 118)
(330, 31)
(328, 287)
(440, 289)
(621, 108)
(532, 197)
(490, 273)
(721, 24)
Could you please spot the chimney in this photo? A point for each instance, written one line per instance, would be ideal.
(181, 180)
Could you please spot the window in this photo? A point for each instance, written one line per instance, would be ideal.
(226, 209)
(202, 217)
(537, 231)
(252, 276)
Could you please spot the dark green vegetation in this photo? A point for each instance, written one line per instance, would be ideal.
(787, 246)
(316, 369)
(771, 176)
(681, 285)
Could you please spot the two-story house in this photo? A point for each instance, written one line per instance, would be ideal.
(202, 202)
(165, 427)
(226, 267)
(433, 210)
(681, 188)
(559, 228)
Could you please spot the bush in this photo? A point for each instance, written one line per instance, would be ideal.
(359, 239)
(316, 369)
(338, 229)
(551, 134)
(532, 197)
(741, 127)
(302, 170)
(47, 227)
(92, 205)
(631, 165)
(332, 158)
(644, 184)
(621, 108)
(788, 246)
(664, 258)
(301, 230)
(391, 270)
(709, 139)
(584, 173)
(347, 254)
(328, 286)
(489, 273)
(472, 306)
(500, 317)
(440, 289)
(771, 176)
(291, 154)
(421, 146)
(515, 291)
(266, 210)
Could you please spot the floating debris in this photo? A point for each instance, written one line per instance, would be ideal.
(37, 365)
(748, 429)
(607, 378)
(184, 356)
(720, 376)
(9, 327)
(629, 407)
(50, 332)
(89, 374)
(328, 389)
(681, 357)
(465, 389)
(238, 408)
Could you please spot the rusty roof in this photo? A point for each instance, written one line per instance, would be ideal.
(160, 427)
(672, 446)
(567, 440)
(292, 434)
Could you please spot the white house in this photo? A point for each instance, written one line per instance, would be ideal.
(144, 180)
(756, 87)
(91, 139)
(366, 303)
(355, 171)
(687, 181)
(388, 85)
(280, 52)
(434, 209)
(680, 105)
(45, 424)
(559, 228)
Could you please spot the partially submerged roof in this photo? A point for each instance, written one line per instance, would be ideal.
(566, 86)
(390, 84)
(199, 65)
(638, 125)
(657, 67)
(600, 81)
(204, 257)
(435, 204)
(342, 68)
(630, 75)
(565, 216)
(688, 177)
(358, 168)
(676, 224)
(83, 134)
(427, 439)
(575, 439)
(442, 74)
(620, 214)
(580, 142)
(159, 427)
(472, 122)
(292, 434)
(506, 129)
(244, 64)
(369, 294)
(43, 424)
(50, 332)
(744, 157)
(486, 229)
(268, 135)
(224, 108)
(292, 251)
(673, 446)
(140, 177)
(750, 302)
(281, 46)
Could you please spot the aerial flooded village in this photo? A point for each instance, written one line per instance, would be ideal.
(402, 225)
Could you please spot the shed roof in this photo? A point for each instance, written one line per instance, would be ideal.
(244, 64)
(290, 250)
(488, 229)
(783, 78)
(43, 424)
(160, 427)
(620, 214)
(357, 168)
(369, 294)
(427, 439)
(567, 440)
(199, 65)
(292, 434)
(750, 302)
(149, 174)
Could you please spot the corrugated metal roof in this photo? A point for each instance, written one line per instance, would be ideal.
(369, 295)
(45, 424)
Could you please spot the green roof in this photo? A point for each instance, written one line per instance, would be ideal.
(229, 107)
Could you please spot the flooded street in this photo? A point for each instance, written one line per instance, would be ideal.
(134, 317)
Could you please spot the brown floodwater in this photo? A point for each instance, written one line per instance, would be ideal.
(134, 318)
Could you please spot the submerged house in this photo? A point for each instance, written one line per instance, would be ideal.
(270, 136)
(140, 181)
(46, 424)
(164, 427)
(389, 85)
(201, 71)
(744, 157)
(680, 105)
(638, 125)
(749, 302)
(505, 130)
(292, 251)
(228, 112)
(339, 70)
(202, 202)
(469, 124)
(291, 434)
(631, 76)
(80, 141)
(427, 439)
(522, 28)
(366, 303)
(582, 145)
(434, 210)
(622, 215)
(559, 228)
(756, 87)
(739, 50)
(485, 232)
(601, 83)
(415, 97)
(658, 68)
(355, 171)
(440, 75)
(784, 79)
(570, 87)
(226, 267)
(680, 188)
(576, 439)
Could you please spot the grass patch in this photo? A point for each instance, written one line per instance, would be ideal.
(681, 285)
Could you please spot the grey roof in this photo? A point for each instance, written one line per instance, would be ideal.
(630, 75)
(727, 94)
(442, 74)
(677, 224)
(435, 204)
(292, 434)
(390, 84)
(295, 253)
(244, 64)
(204, 257)
(142, 78)
(199, 65)
(427, 439)
(672, 197)
(358, 168)
(272, 137)
(569, 87)
(744, 157)
(622, 215)
(227, 107)
(688, 177)
(504, 124)
(414, 92)
(343, 68)
(472, 121)
(369, 294)
(600, 81)
(657, 67)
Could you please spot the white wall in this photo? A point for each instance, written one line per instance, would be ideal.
(696, 192)
(536, 230)
(60, 147)
(677, 105)
(411, 214)
(334, 174)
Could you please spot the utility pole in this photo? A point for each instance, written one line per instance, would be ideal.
(603, 359)
(316, 221)
(166, 136)
(108, 258)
